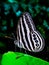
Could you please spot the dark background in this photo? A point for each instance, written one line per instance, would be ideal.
(10, 11)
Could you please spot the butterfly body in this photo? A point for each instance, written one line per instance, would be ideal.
(27, 36)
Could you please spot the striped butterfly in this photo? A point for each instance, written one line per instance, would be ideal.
(28, 37)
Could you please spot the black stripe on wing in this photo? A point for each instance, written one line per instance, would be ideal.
(23, 41)
(32, 42)
(25, 31)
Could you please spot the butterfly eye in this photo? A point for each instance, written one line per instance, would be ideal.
(37, 45)
(34, 35)
(36, 41)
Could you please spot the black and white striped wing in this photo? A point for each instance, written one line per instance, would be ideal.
(27, 35)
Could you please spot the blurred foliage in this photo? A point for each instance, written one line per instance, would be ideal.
(2, 44)
(16, 58)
